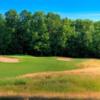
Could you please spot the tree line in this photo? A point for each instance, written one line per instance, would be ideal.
(48, 34)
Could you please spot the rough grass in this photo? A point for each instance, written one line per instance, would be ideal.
(61, 78)
(92, 63)
(54, 84)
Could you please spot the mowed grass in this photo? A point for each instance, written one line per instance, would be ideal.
(29, 64)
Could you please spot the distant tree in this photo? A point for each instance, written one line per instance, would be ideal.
(85, 38)
(82, 40)
(24, 32)
(48, 35)
(96, 39)
(67, 30)
(53, 26)
(4, 36)
(40, 34)
(11, 24)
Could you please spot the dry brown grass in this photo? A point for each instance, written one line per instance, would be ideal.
(85, 71)
(90, 63)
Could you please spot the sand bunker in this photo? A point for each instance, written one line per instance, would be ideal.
(8, 59)
(64, 59)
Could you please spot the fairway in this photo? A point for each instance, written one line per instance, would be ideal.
(49, 50)
(29, 64)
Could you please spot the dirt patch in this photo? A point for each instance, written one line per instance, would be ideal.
(8, 60)
(64, 59)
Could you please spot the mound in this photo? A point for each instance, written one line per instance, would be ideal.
(8, 59)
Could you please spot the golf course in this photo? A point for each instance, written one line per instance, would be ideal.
(61, 77)
(46, 54)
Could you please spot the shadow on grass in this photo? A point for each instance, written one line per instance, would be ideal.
(42, 98)
(29, 98)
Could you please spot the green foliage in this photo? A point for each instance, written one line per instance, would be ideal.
(47, 34)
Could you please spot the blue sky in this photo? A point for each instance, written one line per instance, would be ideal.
(85, 9)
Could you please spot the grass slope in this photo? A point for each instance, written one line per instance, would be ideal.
(60, 83)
